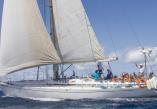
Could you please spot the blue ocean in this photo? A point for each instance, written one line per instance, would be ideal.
(130, 103)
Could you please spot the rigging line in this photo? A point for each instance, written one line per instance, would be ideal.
(109, 66)
(151, 67)
(114, 46)
(38, 69)
(112, 41)
(132, 29)
(61, 70)
(111, 38)
(147, 60)
(66, 68)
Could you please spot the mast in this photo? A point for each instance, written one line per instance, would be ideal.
(38, 73)
(145, 63)
(53, 38)
(145, 53)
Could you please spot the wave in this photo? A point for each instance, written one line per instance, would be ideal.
(45, 99)
(44, 103)
(34, 99)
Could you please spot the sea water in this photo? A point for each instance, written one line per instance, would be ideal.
(130, 103)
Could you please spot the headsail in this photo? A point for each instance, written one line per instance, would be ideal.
(76, 39)
(24, 39)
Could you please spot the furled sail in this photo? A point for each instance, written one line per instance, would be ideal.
(24, 40)
(76, 40)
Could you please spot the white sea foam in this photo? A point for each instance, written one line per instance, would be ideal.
(37, 99)
(45, 99)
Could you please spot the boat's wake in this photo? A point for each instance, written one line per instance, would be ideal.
(45, 99)
(82, 100)
(131, 99)
(38, 103)
(34, 99)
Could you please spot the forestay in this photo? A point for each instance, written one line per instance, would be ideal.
(76, 40)
(24, 39)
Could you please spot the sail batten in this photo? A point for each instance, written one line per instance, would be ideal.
(25, 41)
(76, 38)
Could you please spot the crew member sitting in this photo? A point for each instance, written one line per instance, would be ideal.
(96, 75)
(115, 79)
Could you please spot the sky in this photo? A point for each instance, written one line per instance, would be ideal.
(124, 21)
(122, 26)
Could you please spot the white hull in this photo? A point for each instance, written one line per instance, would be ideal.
(74, 92)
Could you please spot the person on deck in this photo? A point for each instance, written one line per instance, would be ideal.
(96, 75)
(115, 78)
(151, 75)
(141, 68)
(109, 74)
(100, 68)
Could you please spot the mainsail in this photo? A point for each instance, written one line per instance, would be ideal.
(75, 39)
(24, 40)
(26, 43)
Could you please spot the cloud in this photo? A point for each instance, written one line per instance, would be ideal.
(136, 56)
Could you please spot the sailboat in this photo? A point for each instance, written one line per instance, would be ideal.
(25, 43)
